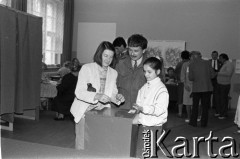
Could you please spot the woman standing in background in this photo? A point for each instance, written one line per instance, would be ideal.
(187, 90)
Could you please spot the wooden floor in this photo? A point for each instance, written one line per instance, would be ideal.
(49, 132)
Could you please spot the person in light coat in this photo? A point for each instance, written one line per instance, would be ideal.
(102, 78)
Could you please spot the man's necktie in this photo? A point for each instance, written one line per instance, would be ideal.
(135, 64)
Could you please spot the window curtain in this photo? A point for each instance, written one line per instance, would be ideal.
(29, 54)
(7, 63)
(21, 52)
(19, 5)
(68, 30)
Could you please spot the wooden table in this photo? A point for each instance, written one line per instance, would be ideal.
(111, 131)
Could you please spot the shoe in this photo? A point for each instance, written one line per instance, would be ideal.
(59, 119)
(221, 117)
(216, 114)
(187, 120)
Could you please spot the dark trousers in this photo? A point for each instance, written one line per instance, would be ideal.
(205, 98)
(214, 93)
(222, 99)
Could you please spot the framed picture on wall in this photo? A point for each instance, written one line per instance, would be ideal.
(169, 50)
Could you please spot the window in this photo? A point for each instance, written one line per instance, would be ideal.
(6, 2)
(52, 13)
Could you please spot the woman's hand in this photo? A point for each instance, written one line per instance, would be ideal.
(102, 98)
(138, 107)
(120, 98)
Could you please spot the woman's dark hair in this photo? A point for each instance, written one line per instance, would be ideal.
(76, 68)
(154, 63)
(137, 40)
(185, 55)
(224, 56)
(75, 59)
(119, 41)
(105, 45)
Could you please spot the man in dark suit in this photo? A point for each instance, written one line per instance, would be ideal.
(216, 65)
(200, 73)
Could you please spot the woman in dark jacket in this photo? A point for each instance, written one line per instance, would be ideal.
(63, 101)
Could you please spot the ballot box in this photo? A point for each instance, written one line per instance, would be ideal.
(111, 131)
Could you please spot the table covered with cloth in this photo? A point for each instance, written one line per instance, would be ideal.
(48, 89)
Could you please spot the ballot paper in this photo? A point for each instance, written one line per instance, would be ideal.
(115, 101)
(132, 111)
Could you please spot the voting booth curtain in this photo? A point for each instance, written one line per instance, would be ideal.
(20, 62)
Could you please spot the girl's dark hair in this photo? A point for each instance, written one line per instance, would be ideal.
(154, 63)
(105, 45)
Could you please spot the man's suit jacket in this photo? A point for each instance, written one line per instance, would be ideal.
(130, 80)
(201, 73)
(219, 65)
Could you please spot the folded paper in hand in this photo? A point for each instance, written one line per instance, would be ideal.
(132, 111)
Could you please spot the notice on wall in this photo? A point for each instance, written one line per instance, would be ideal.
(90, 35)
(237, 67)
(169, 50)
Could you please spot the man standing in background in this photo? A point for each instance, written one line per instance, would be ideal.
(216, 64)
(130, 70)
(200, 73)
(120, 48)
(224, 84)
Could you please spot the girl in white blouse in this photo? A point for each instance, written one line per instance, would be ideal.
(152, 104)
(153, 98)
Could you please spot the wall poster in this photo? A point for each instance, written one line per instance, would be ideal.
(170, 51)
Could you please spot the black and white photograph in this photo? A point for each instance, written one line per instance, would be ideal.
(122, 79)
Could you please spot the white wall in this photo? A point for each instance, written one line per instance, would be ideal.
(205, 25)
